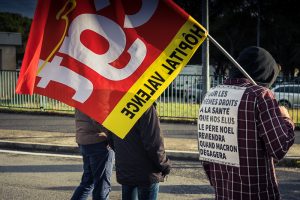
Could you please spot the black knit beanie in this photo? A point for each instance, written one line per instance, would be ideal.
(259, 64)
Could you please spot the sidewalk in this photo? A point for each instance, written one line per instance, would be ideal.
(59, 142)
(56, 134)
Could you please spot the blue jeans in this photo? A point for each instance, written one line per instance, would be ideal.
(97, 170)
(140, 192)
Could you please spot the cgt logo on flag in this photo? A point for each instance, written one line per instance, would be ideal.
(110, 59)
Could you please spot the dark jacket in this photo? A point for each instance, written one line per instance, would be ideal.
(88, 131)
(140, 157)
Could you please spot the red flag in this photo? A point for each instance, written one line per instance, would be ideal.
(109, 59)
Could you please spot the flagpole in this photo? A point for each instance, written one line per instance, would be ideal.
(205, 49)
(236, 64)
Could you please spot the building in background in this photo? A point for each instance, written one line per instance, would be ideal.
(9, 42)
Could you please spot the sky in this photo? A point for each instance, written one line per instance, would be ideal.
(23, 7)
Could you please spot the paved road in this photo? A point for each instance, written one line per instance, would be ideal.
(35, 122)
(65, 124)
(40, 177)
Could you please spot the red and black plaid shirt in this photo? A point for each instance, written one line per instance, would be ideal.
(263, 135)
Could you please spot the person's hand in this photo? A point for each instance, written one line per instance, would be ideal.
(284, 112)
(166, 171)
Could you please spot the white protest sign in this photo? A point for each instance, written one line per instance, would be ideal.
(218, 125)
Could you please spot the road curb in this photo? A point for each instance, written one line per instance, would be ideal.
(290, 162)
(172, 154)
(50, 148)
(183, 155)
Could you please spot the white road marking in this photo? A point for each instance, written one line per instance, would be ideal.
(40, 154)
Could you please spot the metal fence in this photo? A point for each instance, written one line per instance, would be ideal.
(9, 99)
(181, 100)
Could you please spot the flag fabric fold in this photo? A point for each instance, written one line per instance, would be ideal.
(109, 59)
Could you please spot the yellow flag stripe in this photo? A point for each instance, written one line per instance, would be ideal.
(156, 78)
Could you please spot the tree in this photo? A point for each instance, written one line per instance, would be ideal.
(281, 20)
(194, 9)
(234, 24)
(10, 22)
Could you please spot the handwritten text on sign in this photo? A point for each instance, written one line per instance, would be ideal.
(217, 125)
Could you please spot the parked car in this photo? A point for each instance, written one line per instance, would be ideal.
(194, 93)
(287, 95)
(179, 88)
(279, 81)
(182, 83)
(295, 80)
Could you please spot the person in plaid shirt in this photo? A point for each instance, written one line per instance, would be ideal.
(265, 132)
